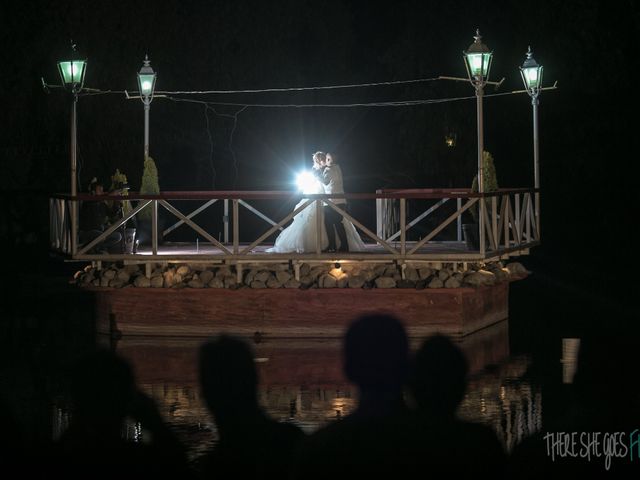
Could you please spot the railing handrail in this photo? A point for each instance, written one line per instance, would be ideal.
(508, 220)
(283, 194)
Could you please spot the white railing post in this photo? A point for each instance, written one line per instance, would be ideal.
(459, 221)
(518, 219)
(482, 210)
(74, 227)
(236, 227)
(319, 227)
(379, 215)
(403, 226)
(225, 221)
(154, 226)
(67, 226)
(494, 220)
(527, 214)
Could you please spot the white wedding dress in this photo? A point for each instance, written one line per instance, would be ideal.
(300, 236)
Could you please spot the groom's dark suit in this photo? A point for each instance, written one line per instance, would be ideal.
(332, 180)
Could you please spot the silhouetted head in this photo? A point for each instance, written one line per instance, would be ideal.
(376, 353)
(228, 376)
(96, 187)
(102, 387)
(439, 376)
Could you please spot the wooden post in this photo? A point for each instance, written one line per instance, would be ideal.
(403, 226)
(236, 227)
(319, 226)
(459, 221)
(379, 215)
(225, 220)
(154, 226)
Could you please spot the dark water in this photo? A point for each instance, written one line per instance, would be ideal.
(302, 383)
(520, 367)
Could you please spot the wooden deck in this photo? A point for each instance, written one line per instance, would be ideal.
(446, 251)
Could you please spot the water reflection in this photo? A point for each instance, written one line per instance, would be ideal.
(301, 381)
(569, 361)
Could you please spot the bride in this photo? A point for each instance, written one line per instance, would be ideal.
(300, 236)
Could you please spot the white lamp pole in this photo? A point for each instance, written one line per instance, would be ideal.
(478, 62)
(532, 77)
(72, 76)
(146, 84)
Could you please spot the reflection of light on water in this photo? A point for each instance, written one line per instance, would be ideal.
(569, 361)
(133, 431)
(502, 399)
(61, 421)
(341, 406)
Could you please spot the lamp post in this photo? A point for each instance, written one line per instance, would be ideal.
(477, 59)
(72, 76)
(531, 73)
(146, 84)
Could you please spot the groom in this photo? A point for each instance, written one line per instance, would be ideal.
(331, 177)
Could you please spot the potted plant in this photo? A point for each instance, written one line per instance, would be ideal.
(471, 230)
(149, 186)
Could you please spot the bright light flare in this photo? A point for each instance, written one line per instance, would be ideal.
(307, 182)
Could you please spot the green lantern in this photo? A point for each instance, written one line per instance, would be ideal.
(146, 80)
(531, 73)
(477, 59)
(72, 72)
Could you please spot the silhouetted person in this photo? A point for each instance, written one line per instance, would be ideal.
(605, 398)
(95, 216)
(445, 444)
(371, 442)
(104, 393)
(251, 445)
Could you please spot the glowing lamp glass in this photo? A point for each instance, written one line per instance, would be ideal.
(478, 63)
(72, 72)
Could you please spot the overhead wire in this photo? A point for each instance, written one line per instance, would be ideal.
(400, 103)
(300, 89)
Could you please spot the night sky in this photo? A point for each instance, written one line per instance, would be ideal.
(588, 143)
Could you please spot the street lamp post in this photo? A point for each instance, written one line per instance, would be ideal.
(72, 76)
(478, 62)
(531, 73)
(146, 84)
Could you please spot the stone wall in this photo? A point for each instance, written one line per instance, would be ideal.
(272, 276)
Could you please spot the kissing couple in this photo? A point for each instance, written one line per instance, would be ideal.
(338, 234)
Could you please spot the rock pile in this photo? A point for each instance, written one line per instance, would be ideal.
(259, 276)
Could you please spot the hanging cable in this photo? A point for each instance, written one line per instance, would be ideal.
(299, 89)
(402, 103)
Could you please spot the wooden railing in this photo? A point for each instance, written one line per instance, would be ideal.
(509, 224)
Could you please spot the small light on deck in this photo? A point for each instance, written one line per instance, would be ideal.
(450, 140)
